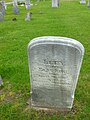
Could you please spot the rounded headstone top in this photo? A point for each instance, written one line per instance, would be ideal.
(56, 40)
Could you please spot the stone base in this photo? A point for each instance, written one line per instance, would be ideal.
(51, 109)
(48, 109)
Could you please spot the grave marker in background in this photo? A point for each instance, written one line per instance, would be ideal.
(2, 8)
(16, 9)
(15, 2)
(1, 17)
(54, 64)
(82, 1)
(27, 4)
(88, 3)
(55, 3)
(28, 16)
(1, 82)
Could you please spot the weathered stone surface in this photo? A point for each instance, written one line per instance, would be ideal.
(1, 82)
(54, 64)
(82, 1)
(88, 3)
(28, 16)
(16, 9)
(1, 17)
(55, 3)
(27, 4)
(2, 8)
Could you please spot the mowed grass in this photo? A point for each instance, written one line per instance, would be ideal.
(69, 20)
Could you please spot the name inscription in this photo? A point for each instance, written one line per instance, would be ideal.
(50, 72)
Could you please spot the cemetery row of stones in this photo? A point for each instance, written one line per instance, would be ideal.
(54, 65)
(16, 10)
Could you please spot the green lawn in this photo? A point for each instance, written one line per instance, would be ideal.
(72, 20)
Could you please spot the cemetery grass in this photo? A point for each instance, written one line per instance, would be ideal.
(69, 20)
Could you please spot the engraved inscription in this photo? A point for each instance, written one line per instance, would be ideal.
(53, 62)
(51, 73)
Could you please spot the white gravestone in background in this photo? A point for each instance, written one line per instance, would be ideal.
(27, 4)
(54, 64)
(82, 1)
(88, 3)
(1, 82)
(28, 16)
(16, 9)
(15, 2)
(55, 3)
(1, 17)
(2, 8)
(4, 4)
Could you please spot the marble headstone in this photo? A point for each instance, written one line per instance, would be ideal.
(1, 17)
(28, 16)
(16, 9)
(15, 2)
(27, 4)
(54, 64)
(55, 3)
(88, 3)
(2, 8)
(1, 82)
(82, 1)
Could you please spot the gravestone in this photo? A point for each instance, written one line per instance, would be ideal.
(1, 17)
(28, 16)
(54, 64)
(15, 2)
(82, 1)
(16, 9)
(1, 82)
(55, 3)
(27, 4)
(88, 3)
(4, 4)
(2, 8)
